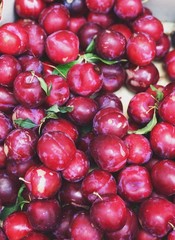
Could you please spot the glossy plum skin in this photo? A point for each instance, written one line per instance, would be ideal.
(171, 235)
(103, 20)
(128, 10)
(7, 100)
(14, 39)
(43, 214)
(87, 32)
(138, 55)
(84, 110)
(102, 208)
(81, 224)
(139, 79)
(109, 100)
(62, 125)
(25, 9)
(98, 182)
(62, 46)
(139, 108)
(8, 189)
(150, 25)
(78, 167)
(42, 182)
(27, 90)
(163, 147)
(19, 170)
(20, 144)
(169, 64)
(157, 221)
(162, 47)
(36, 115)
(5, 126)
(76, 7)
(134, 183)
(30, 63)
(109, 152)
(3, 159)
(2, 234)
(62, 229)
(140, 151)
(122, 28)
(145, 235)
(129, 230)
(37, 38)
(113, 77)
(55, 150)
(59, 93)
(110, 45)
(75, 23)
(71, 195)
(54, 18)
(96, 6)
(17, 225)
(84, 79)
(165, 108)
(110, 121)
(10, 67)
(162, 177)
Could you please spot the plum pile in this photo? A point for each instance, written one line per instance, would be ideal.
(73, 164)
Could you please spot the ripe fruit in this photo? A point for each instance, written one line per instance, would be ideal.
(100, 6)
(150, 25)
(128, 10)
(141, 49)
(27, 89)
(109, 152)
(134, 183)
(113, 77)
(129, 230)
(87, 32)
(110, 121)
(169, 64)
(110, 45)
(62, 46)
(25, 9)
(140, 107)
(165, 108)
(56, 150)
(20, 144)
(162, 177)
(156, 220)
(61, 125)
(84, 79)
(140, 78)
(54, 18)
(42, 182)
(59, 93)
(5, 126)
(140, 151)
(84, 110)
(44, 214)
(98, 183)
(163, 147)
(109, 213)
(17, 225)
(82, 227)
(78, 167)
(10, 67)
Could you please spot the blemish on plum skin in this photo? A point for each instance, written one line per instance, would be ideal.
(42, 181)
